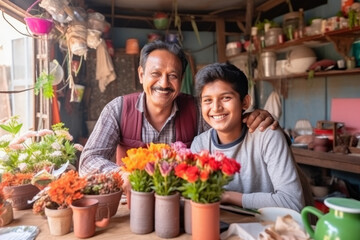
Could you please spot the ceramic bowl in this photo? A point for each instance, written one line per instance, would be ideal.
(270, 214)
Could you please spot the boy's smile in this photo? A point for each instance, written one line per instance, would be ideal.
(221, 107)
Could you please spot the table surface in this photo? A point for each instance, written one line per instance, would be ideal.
(119, 225)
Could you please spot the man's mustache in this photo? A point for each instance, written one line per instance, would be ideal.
(163, 89)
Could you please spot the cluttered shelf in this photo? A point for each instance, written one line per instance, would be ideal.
(315, 40)
(343, 162)
(316, 74)
(310, 41)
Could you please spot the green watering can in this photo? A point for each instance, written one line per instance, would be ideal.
(341, 223)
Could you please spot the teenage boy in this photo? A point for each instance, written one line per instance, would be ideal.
(268, 175)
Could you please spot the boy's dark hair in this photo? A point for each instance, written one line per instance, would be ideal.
(225, 72)
(171, 47)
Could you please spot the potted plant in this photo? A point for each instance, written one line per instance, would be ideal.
(18, 189)
(6, 211)
(56, 198)
(167, 198)
(141, 202)
(38, 24)
(24, 155)
(107, 189)
(205, 178)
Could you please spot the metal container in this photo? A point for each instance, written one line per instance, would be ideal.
(269, 63)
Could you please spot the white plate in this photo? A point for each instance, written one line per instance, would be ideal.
(271, 213)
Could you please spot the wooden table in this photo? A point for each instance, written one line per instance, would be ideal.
(343, 162)
(119, 227)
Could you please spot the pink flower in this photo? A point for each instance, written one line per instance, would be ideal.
(165, 168)
(177, 146)
(18, 140)
(16, 146)
(44, 132)
(184, 154)
(65, 134)
(30, 134)
(78, 147)
(150, 168)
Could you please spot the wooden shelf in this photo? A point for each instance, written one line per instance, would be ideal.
(315, 40)
(316, 74)
(342, 162)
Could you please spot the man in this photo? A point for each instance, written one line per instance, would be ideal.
(160, 114)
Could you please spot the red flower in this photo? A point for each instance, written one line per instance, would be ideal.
(214, 165)
(192, 174)
(180, 170)
(204, 175)
(230, 167)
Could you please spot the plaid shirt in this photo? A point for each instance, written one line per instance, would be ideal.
(102, 143)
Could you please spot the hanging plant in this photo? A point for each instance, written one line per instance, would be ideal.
(38, 24)
(45, 82)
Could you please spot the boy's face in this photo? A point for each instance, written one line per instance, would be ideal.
(161, 78)
(222, 109)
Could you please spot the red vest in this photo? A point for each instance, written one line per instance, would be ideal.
(131, 123)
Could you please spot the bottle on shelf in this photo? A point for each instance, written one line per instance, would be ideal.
(301, 28)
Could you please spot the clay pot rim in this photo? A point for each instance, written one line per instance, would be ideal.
(90, 202)
(106, 194)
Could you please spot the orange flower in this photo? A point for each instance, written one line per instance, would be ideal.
(66, 189)
(10, 179)
(137, 158)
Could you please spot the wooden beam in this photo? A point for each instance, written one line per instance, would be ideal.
(112, 12)
(241, 26)
(249, 16)
(220, 39)
(12, 10)
(267, 5)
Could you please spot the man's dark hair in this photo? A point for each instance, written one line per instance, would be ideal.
(171, 47)
(225, 72)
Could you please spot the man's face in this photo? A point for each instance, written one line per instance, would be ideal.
(222, 109)
(161, 78)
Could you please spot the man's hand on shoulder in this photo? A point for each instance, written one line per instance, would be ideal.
(261, 119)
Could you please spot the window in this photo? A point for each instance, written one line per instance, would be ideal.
(16, 71)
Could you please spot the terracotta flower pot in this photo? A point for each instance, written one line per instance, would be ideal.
(142, 212)
(59, 220)
(205, 214)
(110, 200)
(187, 216)
(84, 211)
(167, 215)
(6, 214)
(19, 195)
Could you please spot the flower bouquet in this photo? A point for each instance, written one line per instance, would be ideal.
(141, 203)
(55, 201)
(165, 185)
(204, 177)
(30, 153)
(60, 193)
(135, 162)
(162, 172)
(33, 151)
